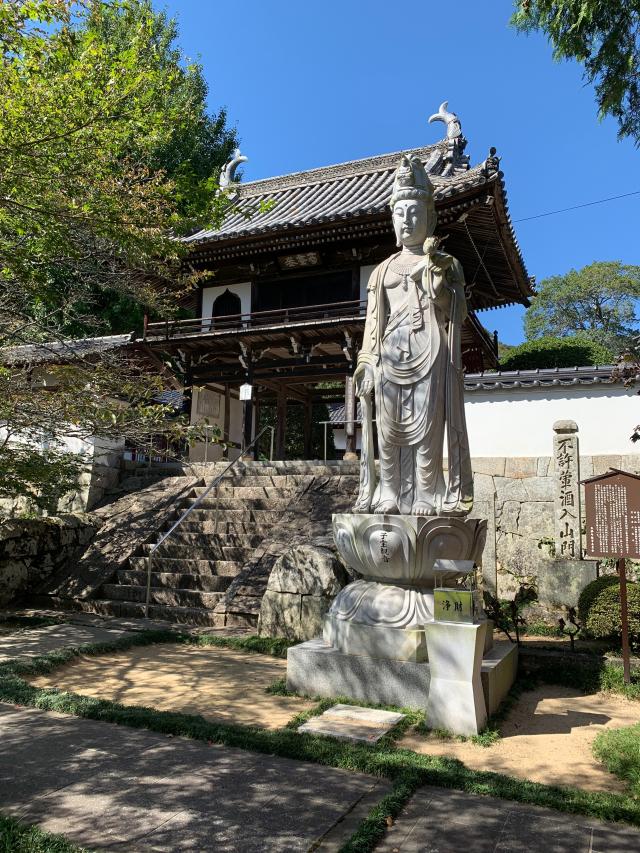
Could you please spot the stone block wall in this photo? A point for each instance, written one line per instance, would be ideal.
(32, 549)
(516, 496)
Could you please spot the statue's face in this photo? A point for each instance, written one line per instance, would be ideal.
(410, 221)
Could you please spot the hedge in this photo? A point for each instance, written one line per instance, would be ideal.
(599, 608)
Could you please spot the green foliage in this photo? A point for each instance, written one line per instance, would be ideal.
(572, 351)
(42, 476)
(603, 37)
(619, 751)
(598, 302)
(17, 837)
(107, 153)
(599, 608)
(591, 592)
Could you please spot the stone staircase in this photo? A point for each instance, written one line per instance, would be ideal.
(194, 567)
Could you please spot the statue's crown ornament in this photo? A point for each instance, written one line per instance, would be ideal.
(411, 181)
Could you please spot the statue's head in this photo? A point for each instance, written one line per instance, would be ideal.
(412, 206)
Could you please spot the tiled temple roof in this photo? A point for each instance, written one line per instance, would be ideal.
(540, 378)
(343, 191)
(60, 351)
(325, 204)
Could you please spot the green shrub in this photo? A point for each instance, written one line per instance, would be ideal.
(573, 351)
(599, 607)
(591, 592)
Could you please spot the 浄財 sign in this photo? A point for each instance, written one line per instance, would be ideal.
(612, 510)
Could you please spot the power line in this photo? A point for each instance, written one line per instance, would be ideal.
(577, 206)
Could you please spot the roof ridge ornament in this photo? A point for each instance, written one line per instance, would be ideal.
(455, 159)
(451, 120)
(227, 175)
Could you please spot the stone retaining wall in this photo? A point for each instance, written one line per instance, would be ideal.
(31, 549)
(516, 497)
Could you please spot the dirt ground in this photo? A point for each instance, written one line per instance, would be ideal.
(221, 684)
(546, 738)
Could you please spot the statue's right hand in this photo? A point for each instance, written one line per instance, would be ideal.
(364, 381)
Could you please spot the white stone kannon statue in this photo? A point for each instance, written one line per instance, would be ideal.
(411, 360)
(409, 531)
(410, 516)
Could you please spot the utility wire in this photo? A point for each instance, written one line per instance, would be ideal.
(576, 206)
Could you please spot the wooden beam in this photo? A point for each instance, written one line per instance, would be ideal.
(308, 427)
(281, 421)
(227, 415)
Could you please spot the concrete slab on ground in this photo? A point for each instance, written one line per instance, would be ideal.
(441, 821)
(41, 641)
(107, 787)
(351, 722)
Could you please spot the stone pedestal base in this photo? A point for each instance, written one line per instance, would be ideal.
(456, 700)
(316, 669)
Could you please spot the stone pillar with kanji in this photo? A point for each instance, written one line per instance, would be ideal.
(568, 521)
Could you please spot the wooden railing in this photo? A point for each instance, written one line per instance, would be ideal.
(255, 320)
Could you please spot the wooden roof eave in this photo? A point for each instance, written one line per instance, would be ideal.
(508, 240)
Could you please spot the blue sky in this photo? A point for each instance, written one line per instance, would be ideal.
(309, 84)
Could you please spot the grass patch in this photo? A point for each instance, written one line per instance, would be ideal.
(275, 646)
(540, 629)
(619, 751)
(406, 770)
(279, 688)
(16, 837)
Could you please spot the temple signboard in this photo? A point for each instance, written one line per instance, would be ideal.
(612, 509)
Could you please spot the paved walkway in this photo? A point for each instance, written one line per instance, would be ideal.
(441, 821)
(82, 628)
(108, 787)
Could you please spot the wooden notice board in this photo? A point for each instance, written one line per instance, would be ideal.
(612, 511)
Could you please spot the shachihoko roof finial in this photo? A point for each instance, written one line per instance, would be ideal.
(454, 128)
(228, 173)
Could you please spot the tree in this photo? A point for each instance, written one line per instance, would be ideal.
(603, 35)
(86, 120)
(571, 351)
(598, 301)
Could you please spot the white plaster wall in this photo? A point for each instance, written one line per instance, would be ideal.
(210, 294)
(519, 422)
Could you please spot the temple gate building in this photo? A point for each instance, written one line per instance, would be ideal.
(283, 308)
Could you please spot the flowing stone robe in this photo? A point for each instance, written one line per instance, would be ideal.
(414, 353)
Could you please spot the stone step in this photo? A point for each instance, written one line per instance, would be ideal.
(272, 480)
(212, 551)
(171, 565)
(248, 492)
(238, 512)
(226, 503)
(294, 467)
(175, 580)
(159, 595)
(134, 610)
(226, 527)
(201, 538)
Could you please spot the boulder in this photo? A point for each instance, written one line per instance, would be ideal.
(303, 582)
